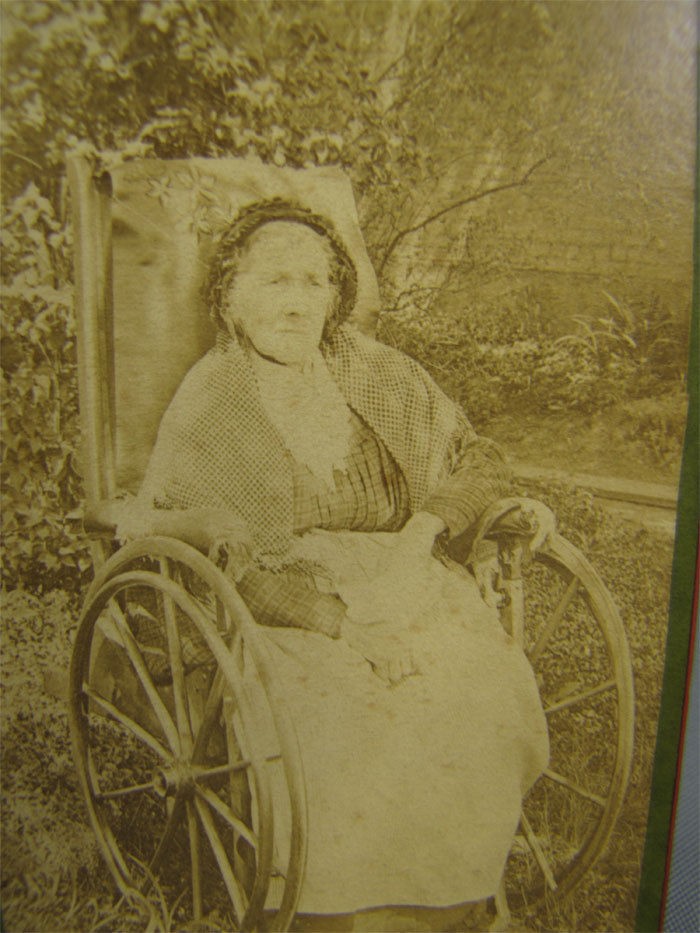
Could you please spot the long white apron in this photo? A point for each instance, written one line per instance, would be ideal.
(414, 790)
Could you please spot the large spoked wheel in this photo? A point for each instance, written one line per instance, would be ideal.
(573, 636)
(183, 750)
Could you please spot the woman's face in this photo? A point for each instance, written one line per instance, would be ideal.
(281, 294)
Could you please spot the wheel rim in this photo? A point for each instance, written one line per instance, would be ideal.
(191, 749)
(576, 643)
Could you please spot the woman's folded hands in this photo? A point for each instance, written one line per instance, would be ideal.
(382, 608)
(418, 535)
(383, 644)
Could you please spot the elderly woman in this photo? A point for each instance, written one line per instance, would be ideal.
(335, 473)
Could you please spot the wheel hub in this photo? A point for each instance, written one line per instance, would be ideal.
(169, 782)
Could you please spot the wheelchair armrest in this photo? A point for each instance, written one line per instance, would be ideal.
(504, 519)
(101, 518)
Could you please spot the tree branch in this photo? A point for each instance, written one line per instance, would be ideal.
(470, 199)
(456, 29)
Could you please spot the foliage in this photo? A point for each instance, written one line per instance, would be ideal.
(659, 423)
(275, 80)
(509, 359)
(37, 765)
(40, 485)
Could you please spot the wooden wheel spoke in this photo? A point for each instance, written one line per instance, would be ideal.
(206, 774)
(195, 860)
(182, 716)
(137, 662)
(138, 731)
(237, 649)
(582, 696)
(206, 788)
(212, 708)
(92, 772)
(168, 833)
(234, 888)
(216, 803)
(124, 791)
(555, 619)
(574, 787)
(222, 617)
(538, 852)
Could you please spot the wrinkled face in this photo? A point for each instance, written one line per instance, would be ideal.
(281, 294)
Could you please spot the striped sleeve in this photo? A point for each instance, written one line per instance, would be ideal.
(480, 476)
(289, 600)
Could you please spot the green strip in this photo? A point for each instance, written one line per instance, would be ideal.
(678, 641)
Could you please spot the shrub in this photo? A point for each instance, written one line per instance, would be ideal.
(658, 423)
(40, 485)
(508, 359)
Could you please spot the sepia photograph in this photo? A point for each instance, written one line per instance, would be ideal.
(345, 355)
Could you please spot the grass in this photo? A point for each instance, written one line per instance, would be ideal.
(607, 397)
(52, 874)
(602, 444)
(635, 564)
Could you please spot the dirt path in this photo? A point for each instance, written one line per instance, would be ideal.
(651, 505)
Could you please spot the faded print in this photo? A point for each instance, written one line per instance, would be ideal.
(520, 224)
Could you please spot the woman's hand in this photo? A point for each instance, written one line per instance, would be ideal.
(381, 644)
(213, 531)
(418, 535)
(544, 522)
(487, 574)
(391, 597)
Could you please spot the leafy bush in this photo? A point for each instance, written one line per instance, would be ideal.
(659, 423)
(40, 486)
(509, 359)
(38, 774)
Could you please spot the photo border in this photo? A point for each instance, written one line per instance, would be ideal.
(675, 695)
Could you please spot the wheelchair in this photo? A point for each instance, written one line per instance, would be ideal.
(170, 677)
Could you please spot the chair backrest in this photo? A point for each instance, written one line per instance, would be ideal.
(144, 234)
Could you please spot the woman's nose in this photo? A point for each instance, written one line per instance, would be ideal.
(295, 301)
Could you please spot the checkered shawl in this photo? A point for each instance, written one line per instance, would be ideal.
(217, 449)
